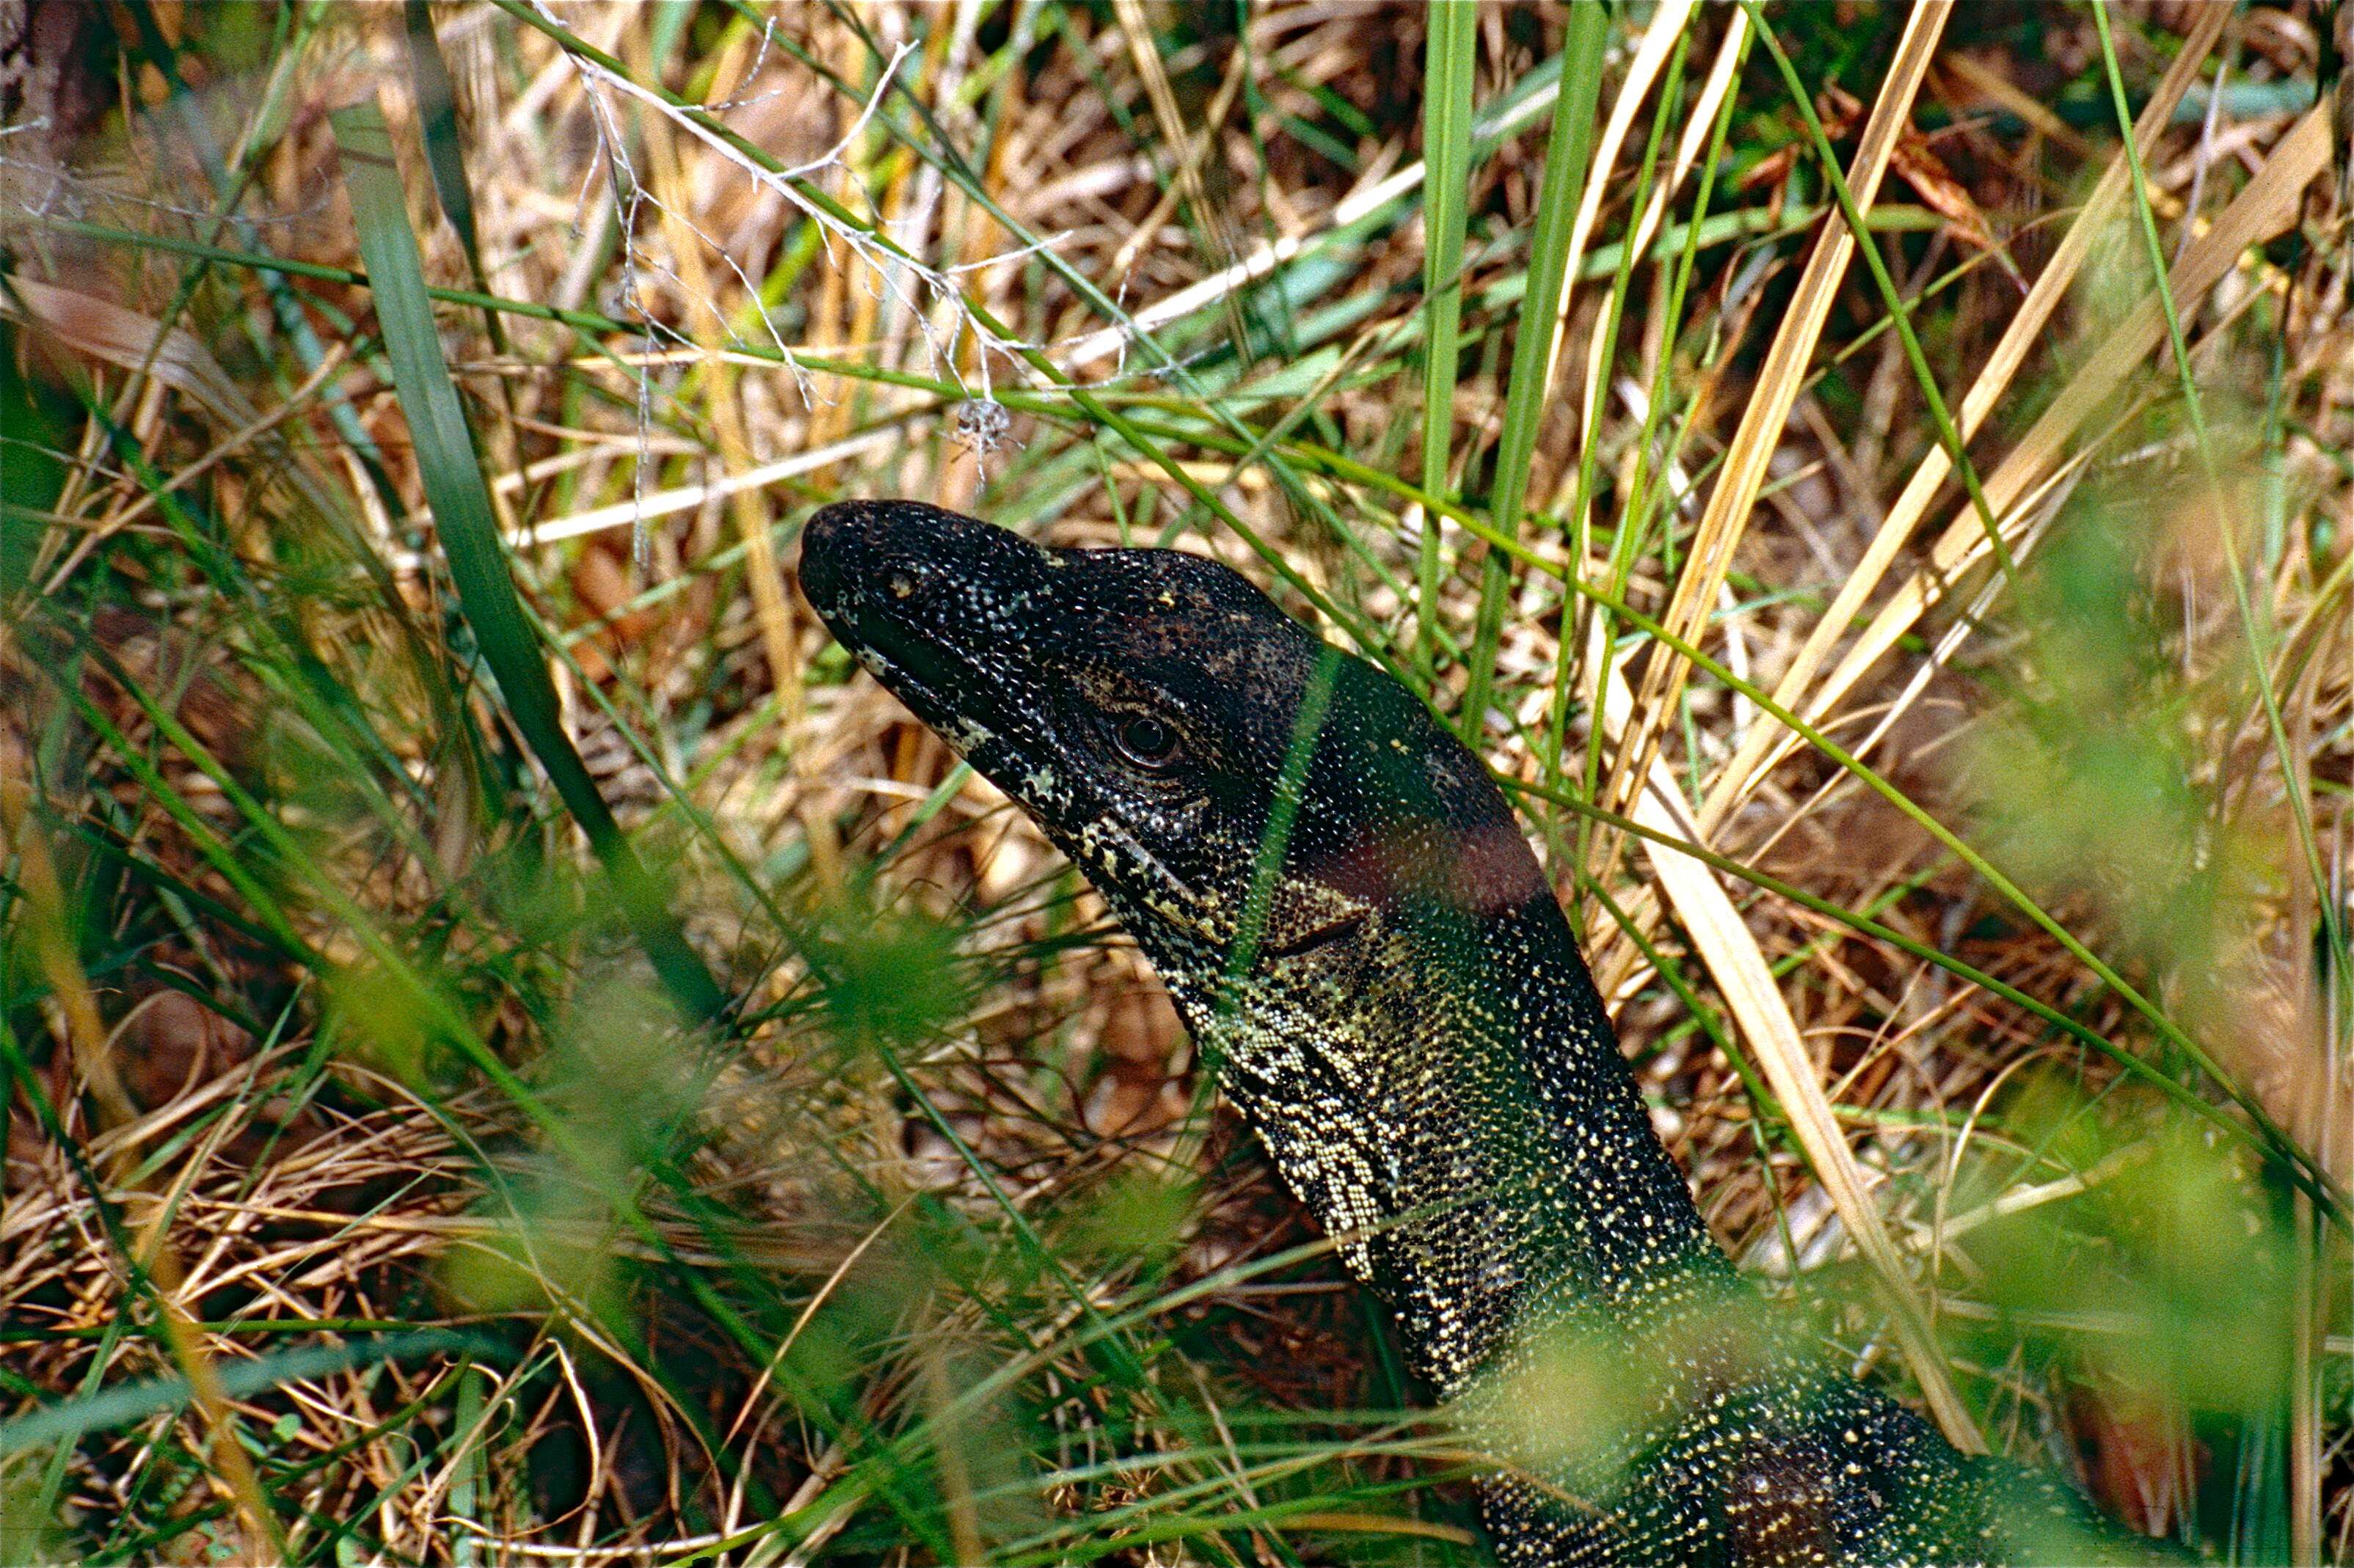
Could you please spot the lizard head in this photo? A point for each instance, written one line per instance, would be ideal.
(1368, 995)
(1141, 706)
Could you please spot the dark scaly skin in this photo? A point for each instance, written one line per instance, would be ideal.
(1420, 1046)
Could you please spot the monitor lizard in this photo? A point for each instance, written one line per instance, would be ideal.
(1346, 916)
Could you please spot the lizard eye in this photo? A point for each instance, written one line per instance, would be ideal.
(1146, 741)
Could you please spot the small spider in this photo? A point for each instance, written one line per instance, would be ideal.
(981, 427)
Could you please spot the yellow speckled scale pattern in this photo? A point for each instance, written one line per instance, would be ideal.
(1418, 1044)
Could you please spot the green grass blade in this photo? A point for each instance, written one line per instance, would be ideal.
(453, 483)
(1890, 298)
(1451, 57)
(127, 1403)
(1567, 152)
(437, 111)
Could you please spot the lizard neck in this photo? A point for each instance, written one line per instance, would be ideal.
(1451, 1100)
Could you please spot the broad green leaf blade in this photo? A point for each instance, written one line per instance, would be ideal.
(452, 477)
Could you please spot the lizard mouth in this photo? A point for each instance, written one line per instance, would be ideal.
(893, 581)
(916, 672)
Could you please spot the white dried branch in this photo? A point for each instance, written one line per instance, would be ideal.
(889, 264)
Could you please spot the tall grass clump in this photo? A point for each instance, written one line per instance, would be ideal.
(517, 1050)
